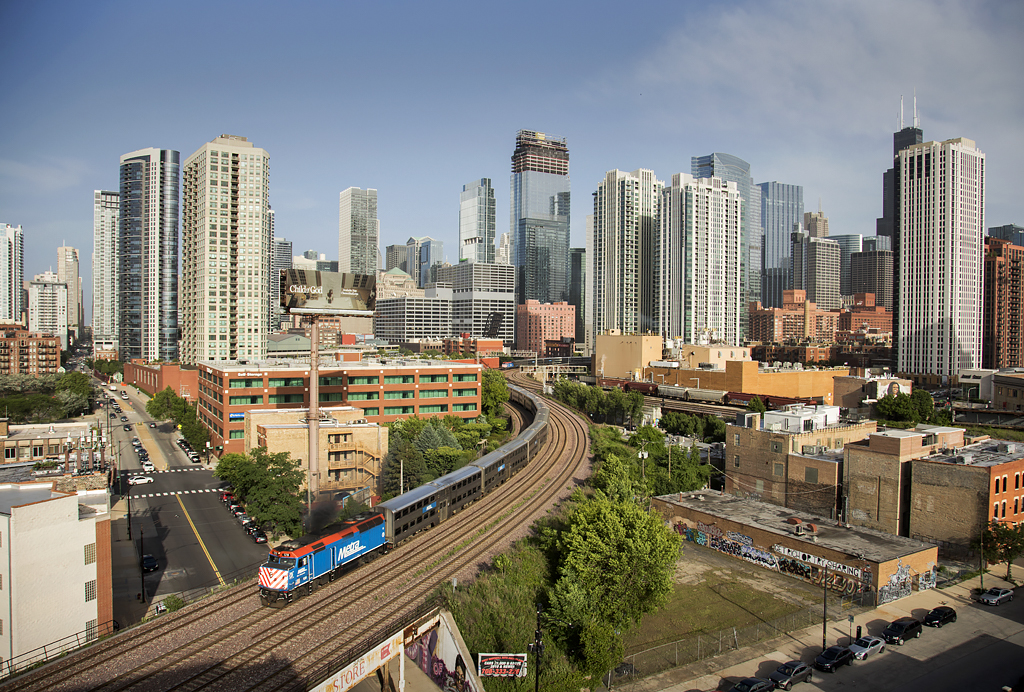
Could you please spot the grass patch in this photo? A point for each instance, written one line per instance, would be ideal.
(717, 602)
(995, 433)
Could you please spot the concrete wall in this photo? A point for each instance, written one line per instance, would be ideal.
(49, 574)
(618, 355)
(948, 502)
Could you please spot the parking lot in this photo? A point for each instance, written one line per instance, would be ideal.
(982, 650)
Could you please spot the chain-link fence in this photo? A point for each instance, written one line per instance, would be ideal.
(710, 644)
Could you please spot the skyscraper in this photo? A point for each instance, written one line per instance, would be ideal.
(476, 222)
(226, 243)
(12, 272)
(816, 223)
(814, 267)
(1004, 297)
(503, 255)
(940, 216)
(48, 302)
(423, 253)
(69, 275)
(698, 261)
(358, 231)
(280, 258)
(901, 139)
(848, 244)
(782, 207)
(732, 168)
(871, 272)
(620, 249)
(540, 217)
(147, 251)
(1010, 232)
(578, 287)
(483, 299)
(106, 208)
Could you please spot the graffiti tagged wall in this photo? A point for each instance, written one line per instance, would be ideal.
(440, 660)
(731, 543)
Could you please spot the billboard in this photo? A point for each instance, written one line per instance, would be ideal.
(307, 292)
(502, 665)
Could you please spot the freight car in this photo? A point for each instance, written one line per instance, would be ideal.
(297, 567)
(704, 396)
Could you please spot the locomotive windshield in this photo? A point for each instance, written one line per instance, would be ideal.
(285, 562)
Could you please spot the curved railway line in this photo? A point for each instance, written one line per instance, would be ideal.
(232, 643)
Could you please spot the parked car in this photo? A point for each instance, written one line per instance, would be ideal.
(148, 467)
(124, 419)
(227, 496)
(789, 673)
(867, 645)
(937, 617)
(127, 427)
(996, 596)
(149, 563)
(242, 517)
(113, 414)
(258, 536)
(832, 658)
(139, 480)
(753, 685)
(152, 425)
(901, 630)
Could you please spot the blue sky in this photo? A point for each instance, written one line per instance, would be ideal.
(416, 99)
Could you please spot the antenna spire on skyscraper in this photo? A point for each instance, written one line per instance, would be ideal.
(901, 114)
(917, 123)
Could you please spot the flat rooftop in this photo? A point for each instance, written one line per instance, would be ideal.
(47, 431)
(860, 542)
(25, 494)
(330, 364)
(985, 453)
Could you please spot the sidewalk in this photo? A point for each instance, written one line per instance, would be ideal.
(763, 657)
(126, 575)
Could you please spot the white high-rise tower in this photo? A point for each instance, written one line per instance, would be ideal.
(699, 260)
(105, 213)
(476, 222)
(12, 271)
(358, 231)
(940, 217)
(226, 244)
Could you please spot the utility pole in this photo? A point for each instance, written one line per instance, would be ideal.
(537, 649)
(824, 610)
(142, 573)
(313, 420)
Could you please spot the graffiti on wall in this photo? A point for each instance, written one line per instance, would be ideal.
(731, 543)
(447, 671)
(899, 585)
(831, 565)
(927, 579)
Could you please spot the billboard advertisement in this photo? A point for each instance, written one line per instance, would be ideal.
(307, 292)
(502, 665)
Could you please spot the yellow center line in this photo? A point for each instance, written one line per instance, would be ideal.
(201, 544)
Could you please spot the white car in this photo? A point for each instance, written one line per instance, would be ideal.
(139, 480)
(148, 467)
(867, 645)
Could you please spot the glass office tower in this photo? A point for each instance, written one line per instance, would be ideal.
(476, 222)
(782, 206)
(540, 217)
(148, 255)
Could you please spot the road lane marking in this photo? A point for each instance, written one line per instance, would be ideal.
(201, 544)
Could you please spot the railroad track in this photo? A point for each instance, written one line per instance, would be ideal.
(233, 643)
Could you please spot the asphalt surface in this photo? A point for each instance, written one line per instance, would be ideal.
(178, 518)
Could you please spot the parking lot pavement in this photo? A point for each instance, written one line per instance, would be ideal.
(978, 628)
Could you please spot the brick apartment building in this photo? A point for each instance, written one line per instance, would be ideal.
(28, 353)
(538, 322)
(865, 314)
(385, 391)
(1002, 322)
(792, 457)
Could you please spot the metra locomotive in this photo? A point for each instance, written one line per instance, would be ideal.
(296, 567)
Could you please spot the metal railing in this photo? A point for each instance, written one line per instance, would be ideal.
(711, 644)
(56, 649)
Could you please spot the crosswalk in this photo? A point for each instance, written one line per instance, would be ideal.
(180, 492)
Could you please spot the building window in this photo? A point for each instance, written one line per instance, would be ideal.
(464, 407)
(1004, 509)
(776, 447)
(90, 554)
(37, 450)
(236, 435)
(435, 408)
(90, 630)
(371, 411)
(996, 491)
(433, 378)
(363, 396)
(366, 379)
(334, 381)
(759, 485)
(400, 394)
(398, 410)
(245, 384)
(995, 511)
(736, 460)
(245, 400)
(810, 475)
(285, 382)
(464, 392)
(10, 452)
(90, 591)
(463, 378)
(1016, 481)
(736, 439)
(399, 379)
(779, 469)
(433, 393)
(286, 398)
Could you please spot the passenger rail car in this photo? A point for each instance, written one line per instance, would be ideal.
(296, 567)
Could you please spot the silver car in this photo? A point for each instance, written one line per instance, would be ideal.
(867, 645)
(996, 596)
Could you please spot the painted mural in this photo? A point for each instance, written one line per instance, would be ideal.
(731, 543)
(900, 585)
(442, 664)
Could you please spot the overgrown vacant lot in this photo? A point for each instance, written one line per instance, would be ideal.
(713, 592)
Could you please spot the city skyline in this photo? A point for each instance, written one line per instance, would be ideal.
(805, 117)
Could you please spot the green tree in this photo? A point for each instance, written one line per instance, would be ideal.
(442, 460)
(269, 485)
(72, 403)
(613, 479)
(1003, 542)
(403, 459)
(161, 404)
(615, 565)
(755, 405)
(923, 406)
(493, 393)
(76, 383)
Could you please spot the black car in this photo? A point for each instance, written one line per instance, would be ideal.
(149, 563)
(753, 685)
(789, 673)
(832, 658)
(937, 617)
(128, 427)
(258, 536)
(113, 414)
(901, 630)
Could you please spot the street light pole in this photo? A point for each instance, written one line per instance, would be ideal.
(536, 648)
(824, 610)
(142, 573)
